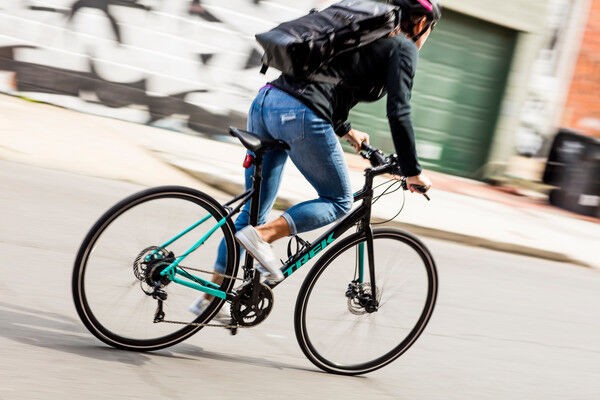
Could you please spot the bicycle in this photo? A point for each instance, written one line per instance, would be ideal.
(128, 274)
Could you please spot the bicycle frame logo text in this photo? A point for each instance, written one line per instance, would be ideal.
(305, 258)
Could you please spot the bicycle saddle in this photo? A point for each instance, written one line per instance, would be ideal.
(256, 144)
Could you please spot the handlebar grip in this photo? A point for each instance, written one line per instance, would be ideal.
(422, 189)
(364, 146)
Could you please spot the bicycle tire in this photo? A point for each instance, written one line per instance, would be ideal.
(319, 353)
(81, 287)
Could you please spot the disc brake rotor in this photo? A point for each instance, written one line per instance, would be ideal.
(359, 296)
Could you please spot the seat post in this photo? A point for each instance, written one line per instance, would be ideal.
(254, 209)
(256, 184)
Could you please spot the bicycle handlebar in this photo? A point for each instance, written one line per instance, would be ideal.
(374, 155)
(377, 159)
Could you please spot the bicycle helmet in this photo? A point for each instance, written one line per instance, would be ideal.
(432, 9)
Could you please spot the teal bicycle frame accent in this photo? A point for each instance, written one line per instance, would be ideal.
(182, 277)
(360, 215)
(193, 281)
(361, 262)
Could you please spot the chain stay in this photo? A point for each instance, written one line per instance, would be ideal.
(212, 272)
(159, 309)
(162, 320)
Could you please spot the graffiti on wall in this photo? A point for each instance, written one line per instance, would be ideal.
(183, 64)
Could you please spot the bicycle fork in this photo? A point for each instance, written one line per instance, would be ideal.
(367, 299)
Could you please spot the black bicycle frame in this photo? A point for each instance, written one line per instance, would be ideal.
(361, 216)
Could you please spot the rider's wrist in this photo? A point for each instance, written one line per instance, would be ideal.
(411, 172)
(343, 129)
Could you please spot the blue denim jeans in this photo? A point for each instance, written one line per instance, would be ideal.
(314, 149)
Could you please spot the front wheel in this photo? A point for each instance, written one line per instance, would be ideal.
(345, 328)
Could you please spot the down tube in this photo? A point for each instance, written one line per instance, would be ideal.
(321, 243)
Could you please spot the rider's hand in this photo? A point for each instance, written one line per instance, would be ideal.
(356, 138)
(420, 179)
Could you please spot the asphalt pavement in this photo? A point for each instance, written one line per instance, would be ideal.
(505, 326)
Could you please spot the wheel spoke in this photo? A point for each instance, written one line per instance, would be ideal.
(336, 339)
(107, 292)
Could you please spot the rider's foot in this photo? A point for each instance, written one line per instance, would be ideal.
(201, 304)
(262, 252)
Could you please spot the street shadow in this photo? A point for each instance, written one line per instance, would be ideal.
(58, 332)
(192, 352)
(62, 333)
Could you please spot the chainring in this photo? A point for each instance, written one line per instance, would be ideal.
(247, 312)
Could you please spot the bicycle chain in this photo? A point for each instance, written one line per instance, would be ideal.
(206, 324)
(200, 324)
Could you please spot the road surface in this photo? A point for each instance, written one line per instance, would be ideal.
(505, 326)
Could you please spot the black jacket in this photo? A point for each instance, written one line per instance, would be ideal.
(386, 66)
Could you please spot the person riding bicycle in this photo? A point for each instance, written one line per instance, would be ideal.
(310, 116)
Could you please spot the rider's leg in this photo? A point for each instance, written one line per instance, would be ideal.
(274, 230)
(316, 151)
(273, 163)
(272, 169)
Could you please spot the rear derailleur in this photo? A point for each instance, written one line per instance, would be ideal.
(160, 296)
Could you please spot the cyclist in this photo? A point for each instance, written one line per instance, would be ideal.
(309, 117)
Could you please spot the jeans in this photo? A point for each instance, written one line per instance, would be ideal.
(316, 152)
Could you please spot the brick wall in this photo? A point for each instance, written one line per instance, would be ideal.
(582, 111)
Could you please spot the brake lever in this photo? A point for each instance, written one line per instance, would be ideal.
(379, 160)
(423, 190)
(420, 188)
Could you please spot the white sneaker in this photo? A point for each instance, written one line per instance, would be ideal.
(201, 304)
(262, 252)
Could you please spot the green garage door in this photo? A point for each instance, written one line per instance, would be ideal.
(456, 98)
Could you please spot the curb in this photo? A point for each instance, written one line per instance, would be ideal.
(229, 187)
(476, 241)
(283, 202)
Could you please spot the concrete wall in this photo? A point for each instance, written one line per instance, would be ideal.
(521, 15)
(144, 61)
(151, 61)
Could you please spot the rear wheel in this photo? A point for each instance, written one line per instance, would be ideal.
(344, 326)
(111, 280)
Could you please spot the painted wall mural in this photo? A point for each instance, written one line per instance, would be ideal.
(177, 64)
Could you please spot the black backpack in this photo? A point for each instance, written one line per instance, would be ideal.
(301, 47)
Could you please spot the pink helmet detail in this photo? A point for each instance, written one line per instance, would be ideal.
(426, 4)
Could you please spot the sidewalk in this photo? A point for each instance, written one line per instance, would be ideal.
(460, 210)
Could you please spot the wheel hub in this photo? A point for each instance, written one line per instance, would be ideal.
(361, 299)
(148, 265)
(153, 276)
